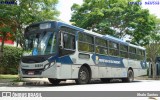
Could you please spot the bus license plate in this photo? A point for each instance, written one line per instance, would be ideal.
(30, 72)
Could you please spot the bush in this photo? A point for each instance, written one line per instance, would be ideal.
(9, 61)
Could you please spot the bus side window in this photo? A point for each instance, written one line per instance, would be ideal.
(67, 42)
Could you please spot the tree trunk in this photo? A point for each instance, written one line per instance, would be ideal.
(0, 52)
(2, 45)
(16, 42)
(154, 70)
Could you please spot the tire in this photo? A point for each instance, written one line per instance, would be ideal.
(54, 81)
(83, 76)
(105, 80)
(130, 77)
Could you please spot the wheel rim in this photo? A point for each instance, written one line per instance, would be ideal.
(130, 77)
(83, 75)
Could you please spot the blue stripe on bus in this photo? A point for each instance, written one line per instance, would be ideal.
(62, 60)
(65, 60)
(107, 61)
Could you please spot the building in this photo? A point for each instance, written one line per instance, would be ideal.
(8, 41)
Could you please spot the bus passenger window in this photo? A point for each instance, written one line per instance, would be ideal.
(69, 41)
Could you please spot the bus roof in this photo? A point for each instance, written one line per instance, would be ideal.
(107, 37)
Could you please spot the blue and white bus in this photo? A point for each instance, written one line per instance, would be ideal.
(60, 52)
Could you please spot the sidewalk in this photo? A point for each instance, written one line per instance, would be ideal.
(5, 82)
(146, 78)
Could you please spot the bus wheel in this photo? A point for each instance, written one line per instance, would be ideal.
(105, 80)
(83, 76)
(54, 81)
(130, 77)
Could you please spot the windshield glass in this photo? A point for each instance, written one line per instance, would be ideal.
(40, 44)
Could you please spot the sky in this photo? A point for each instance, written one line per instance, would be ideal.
(64, 6)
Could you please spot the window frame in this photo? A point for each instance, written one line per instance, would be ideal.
(132, 53)
(123, 51)
(85, 42)
(61, 33)
(101, 45)
(141, 55)
(111, 48)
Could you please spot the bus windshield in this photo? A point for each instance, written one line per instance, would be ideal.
(40, 44)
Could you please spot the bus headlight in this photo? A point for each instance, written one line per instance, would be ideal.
(52, 63)
(47, 66)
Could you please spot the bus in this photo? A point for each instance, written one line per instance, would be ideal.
(59, 52)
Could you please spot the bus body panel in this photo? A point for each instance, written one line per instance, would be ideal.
(65, 71)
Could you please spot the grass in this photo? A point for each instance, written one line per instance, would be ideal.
(17, 80)
(8, 76)
(12, 78)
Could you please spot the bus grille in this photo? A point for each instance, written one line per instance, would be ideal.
(36, 71)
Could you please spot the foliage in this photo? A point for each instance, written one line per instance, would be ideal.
(8, 76)
(18, 80)
(9, 61)
(153, 48)
(114, 17)
(26, 12)
(7, 26)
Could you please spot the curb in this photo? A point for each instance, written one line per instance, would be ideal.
(23, 83)
(4, 84)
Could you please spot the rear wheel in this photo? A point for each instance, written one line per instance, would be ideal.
(83, 76)
(54, 81)
(105, 80)
(130, 77)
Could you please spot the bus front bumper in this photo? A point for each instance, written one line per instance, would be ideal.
(31, 72)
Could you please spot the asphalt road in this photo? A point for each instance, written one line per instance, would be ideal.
(137, 85)
(70, 85)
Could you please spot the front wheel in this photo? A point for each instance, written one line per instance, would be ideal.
(54, 81)
(83, 76)
(130, 77)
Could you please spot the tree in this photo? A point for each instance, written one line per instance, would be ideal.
(34, 11)
(153, 48)
(26, 12)
(114, 17)
(7, 27)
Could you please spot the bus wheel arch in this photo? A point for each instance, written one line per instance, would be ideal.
(89, 69)
(86, 71)
(130, 68)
